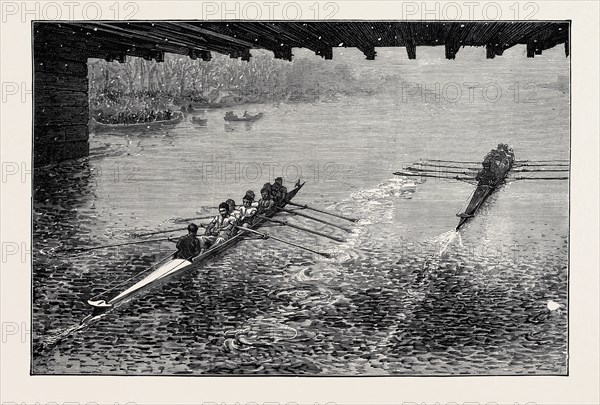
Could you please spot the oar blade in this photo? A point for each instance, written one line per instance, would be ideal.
(85, 249)
(293, 212)
(324, 212)
(312, 231)
(267, 236)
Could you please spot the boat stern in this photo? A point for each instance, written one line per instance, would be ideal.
(99, 306)
(463, 218)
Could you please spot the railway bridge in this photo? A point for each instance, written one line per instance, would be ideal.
(61, 51)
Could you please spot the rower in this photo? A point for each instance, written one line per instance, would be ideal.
(219, 230)
(188, 246)
(232, 207)
(266, 186)
(485, 176)
(266, 203)
(234, 212)
(501, 162)
(278, 191)
(246, 212)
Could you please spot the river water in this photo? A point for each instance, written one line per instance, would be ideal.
(403, 295)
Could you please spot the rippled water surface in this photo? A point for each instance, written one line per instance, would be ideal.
(402, 295)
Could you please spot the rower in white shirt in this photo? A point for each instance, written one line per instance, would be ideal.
(245, 214)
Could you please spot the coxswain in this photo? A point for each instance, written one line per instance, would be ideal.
(511, 154)
(188, 246)
(508, 151)
(219, 230)
(246, 212)
(502, 151)
(278, 191)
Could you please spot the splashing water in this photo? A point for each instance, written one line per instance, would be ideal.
(445, 240)
(47, 343)
(377, 200)
(50, 341)
(372, 206)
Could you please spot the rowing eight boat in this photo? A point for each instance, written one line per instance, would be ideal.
(487, 180)
(172, 267)
(484, 190)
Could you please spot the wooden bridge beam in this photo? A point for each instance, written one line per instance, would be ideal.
(326, 52)
(411, 50)
(204, 55)
(530, 48)
(284, 52)
(539, 47)
(120, 57)
(369, 53)
(245, 54)
(451, 49)
(494, 49)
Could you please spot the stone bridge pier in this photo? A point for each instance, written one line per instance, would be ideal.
(60, 100)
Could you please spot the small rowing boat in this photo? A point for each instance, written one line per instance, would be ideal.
(486, 185)
(231, 117)
(199, 121)
(140, 126)
(170, 267)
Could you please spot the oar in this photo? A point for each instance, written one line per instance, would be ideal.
(415, 170)
(539, 170)
(446, 166)
(541, 164)
(542, 161)
(115, 245)
(313, 218)
(451, 161)
(266, 236)
(517, 162)
(437, 177)
(303, 229)
(322, 211)
(139, 235)
(538, 178)
(191, 219)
